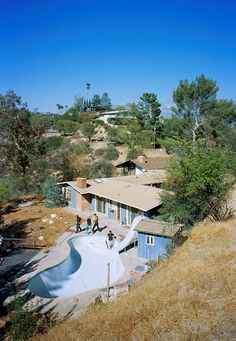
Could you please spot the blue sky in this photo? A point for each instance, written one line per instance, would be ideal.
(49, 49)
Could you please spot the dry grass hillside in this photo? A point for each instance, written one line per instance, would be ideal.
(191, 296)
(35, 220)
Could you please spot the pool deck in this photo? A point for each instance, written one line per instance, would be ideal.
(75, 305)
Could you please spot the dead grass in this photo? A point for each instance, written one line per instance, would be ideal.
(26, 222)
(191, 296)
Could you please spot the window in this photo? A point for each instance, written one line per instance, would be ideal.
(68, 194)
(149, 240)
(101, 205)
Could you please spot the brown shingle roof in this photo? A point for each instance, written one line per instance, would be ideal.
(147, 178)
(158, 228)
(141, 197)
(158, 162)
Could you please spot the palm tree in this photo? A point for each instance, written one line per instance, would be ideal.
(88, 86)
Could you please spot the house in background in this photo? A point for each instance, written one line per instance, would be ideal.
(115, 114)
(154, 237)
(143, 164)
(119, 198)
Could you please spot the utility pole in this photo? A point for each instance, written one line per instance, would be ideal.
(108, 280)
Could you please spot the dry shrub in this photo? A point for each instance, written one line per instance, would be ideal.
(191, 296)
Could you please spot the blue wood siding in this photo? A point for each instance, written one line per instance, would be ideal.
(152, 251)
(93, 203)
(73, 198)
(123, 214)
(112, 213)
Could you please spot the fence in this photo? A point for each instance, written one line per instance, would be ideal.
(26, 243)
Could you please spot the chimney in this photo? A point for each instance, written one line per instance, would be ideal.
(81, 182)
(141, 158)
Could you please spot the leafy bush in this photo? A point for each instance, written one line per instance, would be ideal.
(82, 147)
(133, 153)
(101, 169)
(53, 194)
(23, 321)
(99, 152)
(5, 191)
(109, 153)
(66, 126)
(53, 142)
(198, 180)
(87, 129)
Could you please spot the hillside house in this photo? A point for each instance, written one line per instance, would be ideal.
(119, 198)
(154, 237)
(143, 164)
(115, 114)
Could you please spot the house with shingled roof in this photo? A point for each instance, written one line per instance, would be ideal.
(119, 198)
(143, 164)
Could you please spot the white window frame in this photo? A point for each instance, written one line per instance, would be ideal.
(68, 194)
(150, 240)
(101, 201)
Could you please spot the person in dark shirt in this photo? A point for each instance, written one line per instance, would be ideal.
(78, 221)
(89, 227)
(110, 239)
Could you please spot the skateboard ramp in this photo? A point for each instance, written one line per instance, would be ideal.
(130, 235)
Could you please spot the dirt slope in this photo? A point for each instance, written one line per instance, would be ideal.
(191, 296)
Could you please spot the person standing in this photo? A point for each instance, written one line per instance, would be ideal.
(110, 239)
(89, 226)
(95, 222)
(78, 222)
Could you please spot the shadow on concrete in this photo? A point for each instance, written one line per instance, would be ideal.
(100, 229)
(15, 265)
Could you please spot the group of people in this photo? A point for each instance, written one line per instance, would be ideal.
(92, 226)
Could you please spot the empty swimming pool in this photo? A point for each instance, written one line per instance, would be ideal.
(85, 268)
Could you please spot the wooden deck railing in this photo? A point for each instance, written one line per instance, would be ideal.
(27, 243)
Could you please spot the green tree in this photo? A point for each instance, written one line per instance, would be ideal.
(105, 102)
(87, 129)
(193, 101)
(116, 136)
(96, 102)
(133, 109)
(220, 124)
(53, 194)
(72, 114)
(79, 103)
(41, 122)
(20, 138)
(149, 109)
(198, 180)
(101, 169)
(60, 107)
(5, 191)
